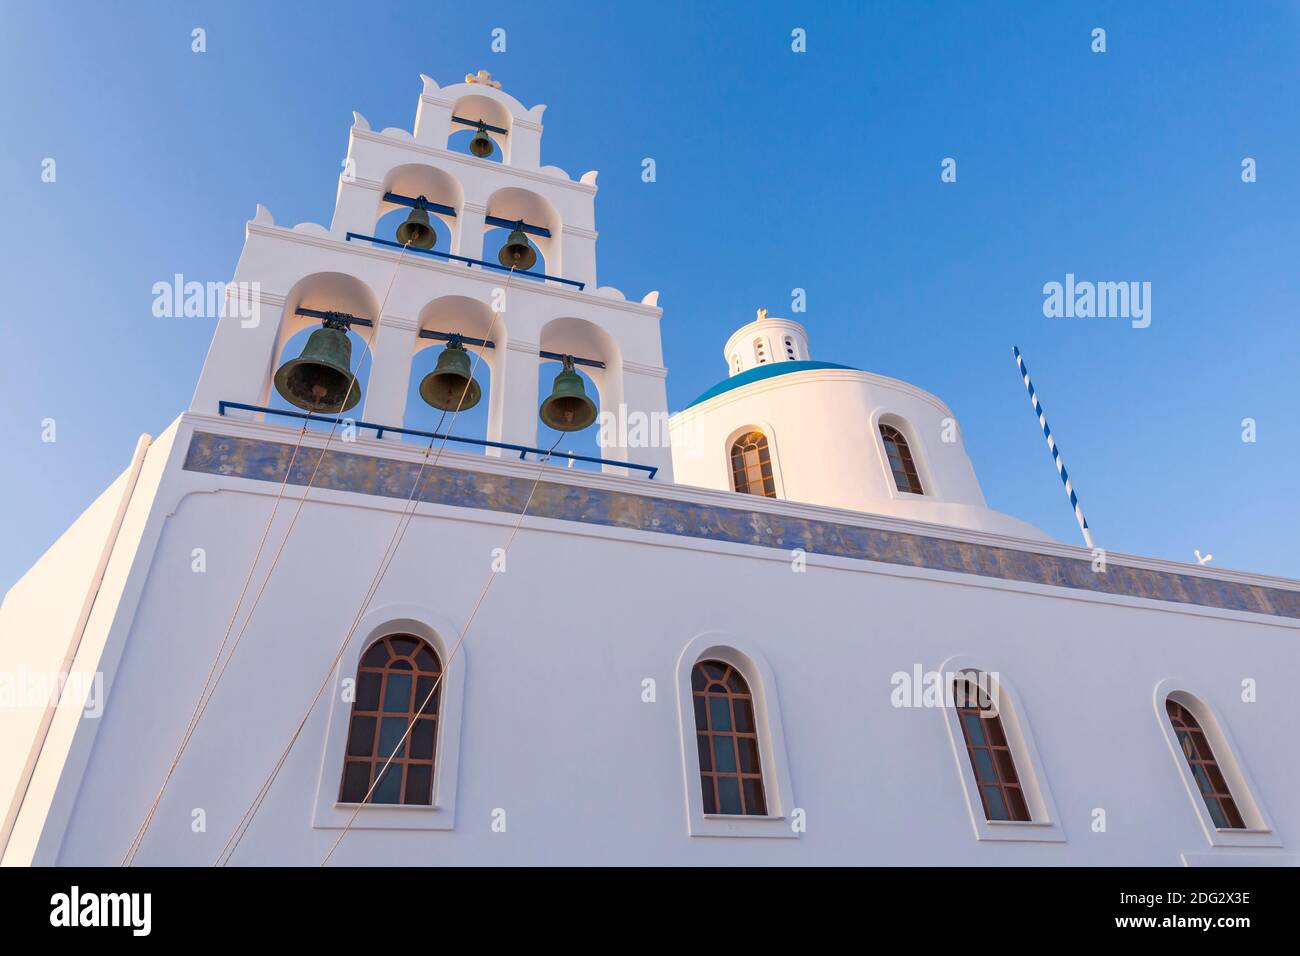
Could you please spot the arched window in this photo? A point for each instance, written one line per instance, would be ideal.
(731, 775)
(760, 351)
(789, 348)
(989, 752)
(751, 465)
(1205, 769)
(397, 688)
(735, 363)
(900, 460)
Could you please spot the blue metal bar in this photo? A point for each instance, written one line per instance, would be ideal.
(345, 316)
(400, 200)
(560, 357)
(424, 333)
(417, 204)
(446, 337)
(469, 262)
(512, 223)
(524, 450)
(475, 124)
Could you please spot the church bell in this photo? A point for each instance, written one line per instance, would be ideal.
(417, 230)
(567, 408)
(321, 379)
(481, 144)
(450, 387)
(517, 252)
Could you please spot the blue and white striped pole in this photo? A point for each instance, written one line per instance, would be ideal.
(1051, 444)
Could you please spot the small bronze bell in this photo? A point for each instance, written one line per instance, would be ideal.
(517, 252)
(567, 408)
(417, 230)
(321, 379)
(449, 386)
(481, 144)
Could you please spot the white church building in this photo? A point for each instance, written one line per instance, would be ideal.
(785, 628)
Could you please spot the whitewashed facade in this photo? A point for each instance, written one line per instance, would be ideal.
(566, 729)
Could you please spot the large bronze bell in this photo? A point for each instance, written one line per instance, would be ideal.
(450, 386)
(567, 408)
(517, 252)
(321, 379)
(481, 144)
(417, 230)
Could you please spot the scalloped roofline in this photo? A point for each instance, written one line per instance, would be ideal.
(449, 94)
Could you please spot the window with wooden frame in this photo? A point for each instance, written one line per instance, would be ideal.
(990, 754)
(751, 465)
(901, 463)
(394, 715)
(731, 772)
(1205, 769)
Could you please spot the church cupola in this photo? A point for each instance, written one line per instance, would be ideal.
(783, 425)
(764, 341)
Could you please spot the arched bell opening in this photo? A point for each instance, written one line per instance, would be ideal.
(498, 238)
(596, 375)
(462, 409)
(583, 441)
(483, 143)
(451, 373)
(318, 353)
(404, 223)
(321, 359)
(522, 230)
(471, 139)
(432, 226)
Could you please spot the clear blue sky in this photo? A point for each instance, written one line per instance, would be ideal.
(817, 170)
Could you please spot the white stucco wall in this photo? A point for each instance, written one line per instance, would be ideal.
(555, 732)
(42, 621)
(822, 428)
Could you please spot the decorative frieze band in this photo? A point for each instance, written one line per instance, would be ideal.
(264, 460)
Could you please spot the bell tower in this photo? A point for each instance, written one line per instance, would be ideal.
(537, 301)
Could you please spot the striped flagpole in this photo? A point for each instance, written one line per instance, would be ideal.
(1051, 444)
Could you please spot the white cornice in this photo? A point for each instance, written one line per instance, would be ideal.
(473, 162)
(267, 298)
(399, 322)
(478, 207)
(362, 249)
(654, 371)
(451, 104)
